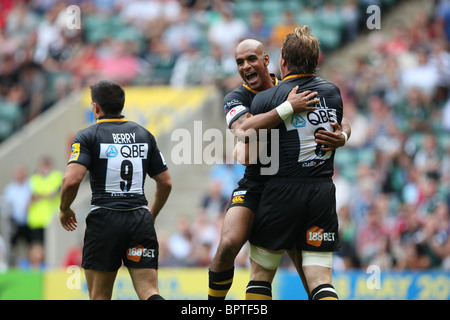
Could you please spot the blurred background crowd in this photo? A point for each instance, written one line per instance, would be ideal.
(392, 177)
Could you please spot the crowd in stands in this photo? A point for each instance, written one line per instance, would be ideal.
(50, 48)
(392, 177)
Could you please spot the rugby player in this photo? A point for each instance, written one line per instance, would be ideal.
(297, 209)
(120, 229)
(252, 63)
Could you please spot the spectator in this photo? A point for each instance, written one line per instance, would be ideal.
(188, 68)
(214, 202)
(49, 33)
(165, 258)
(33, 80)
(285, 27)
(368, 245)
(35, 260)
(219, 69)
(228, 31)
(228, 174)
(21, 22)
(352, 17)
(121, 65)
(45, 186)
(347, 235)
(430, 196)
(181, 34)
(424, 75)
(258, 29)
(428, 157)
(442, 14)
(180, 242)
(16, 200)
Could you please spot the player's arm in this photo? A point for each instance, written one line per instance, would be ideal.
(162, 192)
(336, 139)
(295, 103)
(73, 176)
(241, 151)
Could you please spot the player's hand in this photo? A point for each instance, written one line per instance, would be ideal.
(68, 219)
(303, 101)
(330, 140)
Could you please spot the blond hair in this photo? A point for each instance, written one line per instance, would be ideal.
(301, 50)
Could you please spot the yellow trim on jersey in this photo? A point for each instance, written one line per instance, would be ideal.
(112, 120)
(249, 89)
(292, 76)
(275, 80)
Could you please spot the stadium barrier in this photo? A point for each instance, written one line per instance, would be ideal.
(191, 284)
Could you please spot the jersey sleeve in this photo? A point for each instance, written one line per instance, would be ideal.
(80, 150)
(157, 163)
(234, 107)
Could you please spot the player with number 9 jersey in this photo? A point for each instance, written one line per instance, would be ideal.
(118, 154)
(120, 227)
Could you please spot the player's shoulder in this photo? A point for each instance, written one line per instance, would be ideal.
(88, 131)
(319, 81)
(239, 96)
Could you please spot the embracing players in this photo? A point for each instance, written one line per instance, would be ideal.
(252, 62)
(297, 209)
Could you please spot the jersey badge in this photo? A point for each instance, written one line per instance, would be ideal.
(75, 153)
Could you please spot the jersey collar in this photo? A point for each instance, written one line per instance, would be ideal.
(294, 76)
(118, 118)
(274, 79)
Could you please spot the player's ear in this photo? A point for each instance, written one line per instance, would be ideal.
(266, 60)
(95, 109)
(282, 62)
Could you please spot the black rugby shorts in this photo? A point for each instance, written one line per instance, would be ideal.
(247, 194)
(114, 237)
(297, 212)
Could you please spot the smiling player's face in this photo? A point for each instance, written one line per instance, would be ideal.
(252, 65)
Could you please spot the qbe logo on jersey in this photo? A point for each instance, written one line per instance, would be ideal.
(307, 124)
(124, 169)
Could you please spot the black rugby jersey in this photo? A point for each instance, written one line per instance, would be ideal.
(236, 104)
(118, 154)
(299, 155)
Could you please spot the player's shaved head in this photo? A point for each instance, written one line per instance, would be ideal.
(255, 45)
